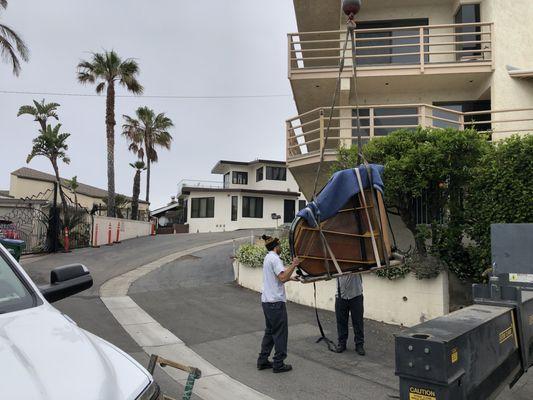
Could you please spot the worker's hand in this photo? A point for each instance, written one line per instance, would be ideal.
(296, 261)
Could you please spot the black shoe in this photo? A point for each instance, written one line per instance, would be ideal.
(264, 365)
(359, 349)
(341, 348)
(283, 368)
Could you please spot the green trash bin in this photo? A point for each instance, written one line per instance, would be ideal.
(14, 246)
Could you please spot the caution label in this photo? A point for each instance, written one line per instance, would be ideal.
(522, 278)
(506, 334)
(421, 394)
(455, 355)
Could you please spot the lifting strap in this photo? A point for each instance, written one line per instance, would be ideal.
(372, 235)
(330, 343)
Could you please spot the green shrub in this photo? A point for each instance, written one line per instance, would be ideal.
(252, 255)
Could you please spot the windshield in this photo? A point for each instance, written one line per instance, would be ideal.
(14, 295)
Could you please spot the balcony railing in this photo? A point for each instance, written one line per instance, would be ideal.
(306, 132)
(422, 47)
(199, 184)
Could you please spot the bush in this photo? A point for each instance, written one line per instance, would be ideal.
(501, 192)
(252, 255)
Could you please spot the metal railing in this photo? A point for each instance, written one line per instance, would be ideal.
(306, 132)
(421, 46)
(199, 183)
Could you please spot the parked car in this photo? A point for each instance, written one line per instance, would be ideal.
(45, 355)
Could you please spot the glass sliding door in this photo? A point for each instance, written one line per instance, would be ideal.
(384, 42)
(468, 14)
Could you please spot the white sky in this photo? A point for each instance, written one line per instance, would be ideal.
(195, 48)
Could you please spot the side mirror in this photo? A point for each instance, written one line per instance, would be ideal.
(66, 281)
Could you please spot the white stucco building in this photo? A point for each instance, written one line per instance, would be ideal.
(255, 194)
(433, 63)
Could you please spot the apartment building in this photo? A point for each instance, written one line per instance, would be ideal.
(441, 63)
(251, 195)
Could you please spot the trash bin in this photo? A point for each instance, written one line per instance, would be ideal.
(14, 246)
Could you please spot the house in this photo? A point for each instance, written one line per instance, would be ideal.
(252, 195)
(28, 183)
(433, 63)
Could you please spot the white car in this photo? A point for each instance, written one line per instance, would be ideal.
(44, 355)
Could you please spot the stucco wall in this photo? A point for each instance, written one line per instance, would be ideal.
(128, 229)
(405, 302)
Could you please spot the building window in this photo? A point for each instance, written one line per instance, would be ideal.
(240, 178)
(479, 122)
(301, 204)
(259, 174)
(234, 207)
(252, 207)
(392, 50)
(385, 121)
(226, 180)
(468, 14)
(276, 173)
(203, 207)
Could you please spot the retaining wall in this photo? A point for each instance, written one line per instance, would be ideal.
(406, 301)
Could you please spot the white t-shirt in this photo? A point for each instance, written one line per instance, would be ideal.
(273, 288)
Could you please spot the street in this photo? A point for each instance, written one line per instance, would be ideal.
(194, 297)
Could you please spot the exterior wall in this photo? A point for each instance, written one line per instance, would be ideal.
(222, 219)
(512, 46)
(405, 301)
(287, 185)
(128, 229)
(23, 188)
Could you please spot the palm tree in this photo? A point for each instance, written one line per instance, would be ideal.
(145, 133)
(139, 167)
(73, 185)
(11, 45)
(106, 70)
(40, 111)
(52, 144)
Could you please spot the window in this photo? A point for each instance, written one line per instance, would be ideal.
(226, 180)
(240, 178)
(252, 207)
(301, 204)
(288, 211)
(480, 122)
(234, 207)
(393, 118)
(391, 55)
(203, 207)
(276, 173)
(468, 14)
(259, 174)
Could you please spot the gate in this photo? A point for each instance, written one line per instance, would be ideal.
(29, 223)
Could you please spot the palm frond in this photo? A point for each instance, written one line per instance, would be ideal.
(100, 87)
(12, 47)
(27, 110)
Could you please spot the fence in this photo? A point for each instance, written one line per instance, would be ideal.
(107, 230)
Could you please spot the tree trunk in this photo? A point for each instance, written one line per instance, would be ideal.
(136, 191)
(148, 179)
(61, 193)
(110, 132)
(42, 122)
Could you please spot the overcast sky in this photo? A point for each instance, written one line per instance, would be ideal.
(184, 48)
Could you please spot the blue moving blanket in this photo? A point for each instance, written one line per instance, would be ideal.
(342, 186)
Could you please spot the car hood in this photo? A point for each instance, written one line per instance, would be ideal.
(44, 356)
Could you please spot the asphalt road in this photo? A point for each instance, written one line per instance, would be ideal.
(105, 263)
(195, 298)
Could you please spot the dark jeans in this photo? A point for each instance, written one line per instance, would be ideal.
(342, 310)
(276, 333)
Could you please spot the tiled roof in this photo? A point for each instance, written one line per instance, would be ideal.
(87, 190)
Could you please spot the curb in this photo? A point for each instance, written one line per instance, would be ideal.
(154, 338)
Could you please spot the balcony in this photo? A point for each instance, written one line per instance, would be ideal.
(413, 50)
(306, 132)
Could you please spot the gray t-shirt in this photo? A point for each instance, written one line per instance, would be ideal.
(273, 288)
(349, 286)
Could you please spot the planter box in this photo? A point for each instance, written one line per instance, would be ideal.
(406, 301)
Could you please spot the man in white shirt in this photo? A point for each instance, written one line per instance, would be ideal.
(273, 300)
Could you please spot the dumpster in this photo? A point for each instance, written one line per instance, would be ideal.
(14, 246)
